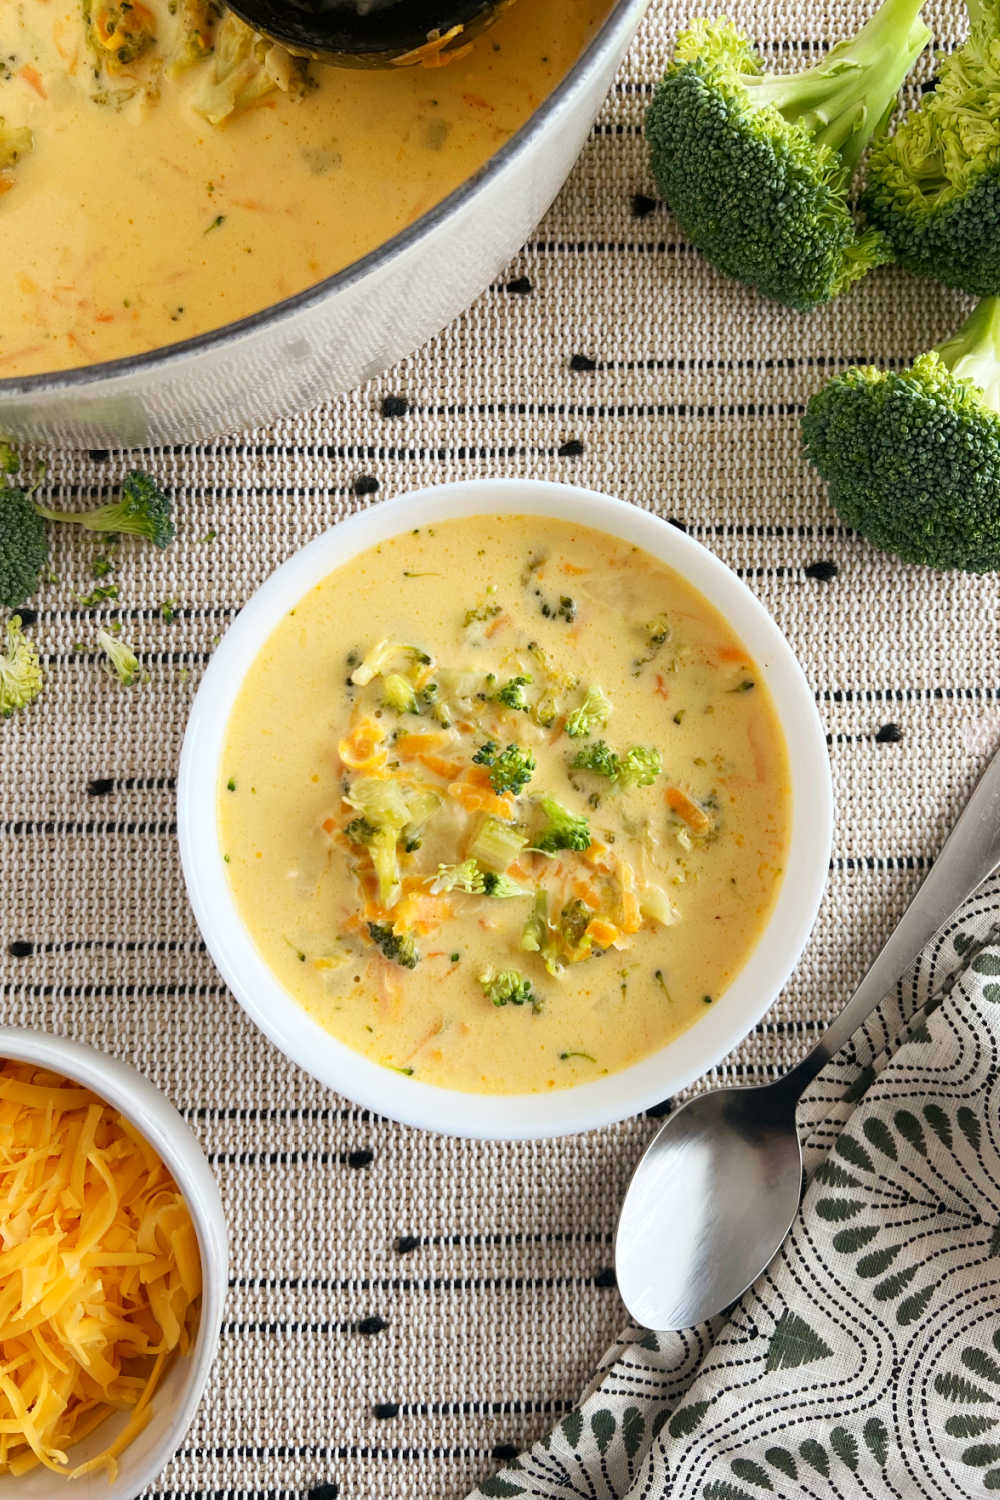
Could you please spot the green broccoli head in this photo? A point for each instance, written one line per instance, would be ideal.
(592, 714)
(142, 509)
(20, 673)
(507, 987)
(934, 187)
(756, 167)
(511, 770)
(912, 458)
(563, 829)
(640, 766)
(24, 547)
(512, 694)
(397, 947)
(599, 758)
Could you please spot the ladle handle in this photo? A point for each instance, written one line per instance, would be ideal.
(970, 852)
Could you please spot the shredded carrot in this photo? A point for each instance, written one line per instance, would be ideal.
(577, 572)
(661, 690)
(497, 625)
(33, 79)
(364, 748)
(727, 652)
(685, 807)
(442, 766)
(603, 933)
(585, 892)
(417, 743)
(476, 799)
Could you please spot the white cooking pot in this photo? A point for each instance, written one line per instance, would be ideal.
(347, 328)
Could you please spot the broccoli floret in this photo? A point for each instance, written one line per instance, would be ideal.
(511, 770)
(486, 754)
(512, 694)
(119, 31)
(756, 167)
(599, 758)
(121, 660)
(399, 694)
(574, 919)
(934, 187)
(20, 673)
(502, 886)
(24, 547)
(481, 615)
(507, 987)
(15, 141)
(360, 831)
(639, 766)
(563, 829)
(464, 877)
(592, 714)
(142, 509)
(912, 458)
(381, 658)
(244, 68)
(397, 947)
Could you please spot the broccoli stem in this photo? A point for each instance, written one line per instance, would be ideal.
(843, 100)
(973, 352)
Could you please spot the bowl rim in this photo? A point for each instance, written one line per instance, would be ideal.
(621, 15)
(148, 1108)
(411, 1101)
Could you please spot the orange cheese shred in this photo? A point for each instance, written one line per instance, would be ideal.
(100, 1272)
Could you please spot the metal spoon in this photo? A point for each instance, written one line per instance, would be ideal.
(368, 33)
(716, 1192)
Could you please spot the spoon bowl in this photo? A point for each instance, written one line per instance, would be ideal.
(371, 33)
(716, 1192)
(691, 1235)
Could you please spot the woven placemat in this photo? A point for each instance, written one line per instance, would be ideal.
(405, 1310)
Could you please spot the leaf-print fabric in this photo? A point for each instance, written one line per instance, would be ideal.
(866, 1361)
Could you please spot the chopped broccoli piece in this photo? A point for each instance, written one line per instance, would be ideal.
(381, 658)
(934, 187)
(599, 758)
(503, 886)
(399, 694)
(574, 919)
(119, 32)
(507, 987)
(464, 877)
(360, 830)
(639, 766)
(481, 615)
(496, 844)
(535, 933)
(563, 829)
(24, 547)
(511, 770)
(912, 458)
(397, 947)
(244, 68)
(512, 694)
(20, 673)
(142, 509)
(15, 141)
(756, 167)
(486, 754)
(592, 714)
(382, 804)
(121, 660)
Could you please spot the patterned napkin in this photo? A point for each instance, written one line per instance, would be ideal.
(866, 1361)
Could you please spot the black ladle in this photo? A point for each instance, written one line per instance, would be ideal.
(368, 33)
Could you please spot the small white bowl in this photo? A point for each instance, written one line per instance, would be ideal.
(177, 1397)
(504, 1116)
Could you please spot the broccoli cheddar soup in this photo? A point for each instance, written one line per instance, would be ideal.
(164, 170)
(504, 804)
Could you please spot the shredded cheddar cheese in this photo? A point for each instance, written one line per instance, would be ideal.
(100, 1273)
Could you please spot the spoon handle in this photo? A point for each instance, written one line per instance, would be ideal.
(970, 852)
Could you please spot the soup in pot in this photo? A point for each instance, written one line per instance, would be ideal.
(164, 170)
